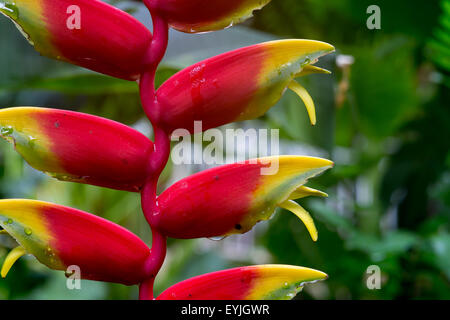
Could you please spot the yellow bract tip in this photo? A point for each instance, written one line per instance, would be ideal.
(303, 215)
(10, 259)
(309, 69)
(304, 191)
(306, 98)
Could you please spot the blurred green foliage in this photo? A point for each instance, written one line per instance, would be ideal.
(384, 120)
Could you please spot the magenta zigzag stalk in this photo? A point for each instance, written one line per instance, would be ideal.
(159, 158)
(63, 144)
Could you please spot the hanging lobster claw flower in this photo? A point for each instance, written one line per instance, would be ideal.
(264, 282)
(60, 237)
(88, 33)
(238, 85)
(231, 199)
(72, 146)
(195, 16)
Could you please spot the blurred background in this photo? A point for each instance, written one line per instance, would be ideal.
(383, 117)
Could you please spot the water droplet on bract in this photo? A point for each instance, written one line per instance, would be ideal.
(286, 284)
(9, 221)
(306, 62)
(6, 131)
(219, 238)
(28, 231)
(31, 142)
(9, 8)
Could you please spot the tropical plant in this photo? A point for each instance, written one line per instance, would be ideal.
(77, 147)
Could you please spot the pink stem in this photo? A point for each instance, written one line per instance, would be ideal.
(147, 90)
(154, 264)
(160, 38)
(146, 290)
(159, 157)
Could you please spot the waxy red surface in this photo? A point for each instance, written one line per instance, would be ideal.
(214, 91)
(96, 150)
(233, 284)
(210, 203)
(103, 250)
(179, 12)
(109, 40)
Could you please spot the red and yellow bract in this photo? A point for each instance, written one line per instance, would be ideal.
(109, 40)
(232, 198)
(238, 85)
(78, 147)
(59, 237)
(245, 283)
(195, 16)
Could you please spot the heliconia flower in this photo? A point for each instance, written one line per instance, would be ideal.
(263, 282)
(88, 33)
(195, 16)
(60, 237)
(78, 147)
(232, 198)
(239, 85)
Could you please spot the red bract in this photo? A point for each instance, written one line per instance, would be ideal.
(59, 237)
(233, 198)
(238, 85)
(202, 16)
(272, 282)
(78, 147)
(88, 33)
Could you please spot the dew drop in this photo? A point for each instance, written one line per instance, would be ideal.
(306, 62)
(9, 221)
(28, 231)
(6, 131)
(219, 238)
(49, 252)
(10, 9)
(31, 141)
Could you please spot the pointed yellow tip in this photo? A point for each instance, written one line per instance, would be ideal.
(10, 259)
(304, 162)
(294, 273)
(304, 191)
(309, 69)
(324, 46)
(307, 46)
(303, 215)
(306, 98)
